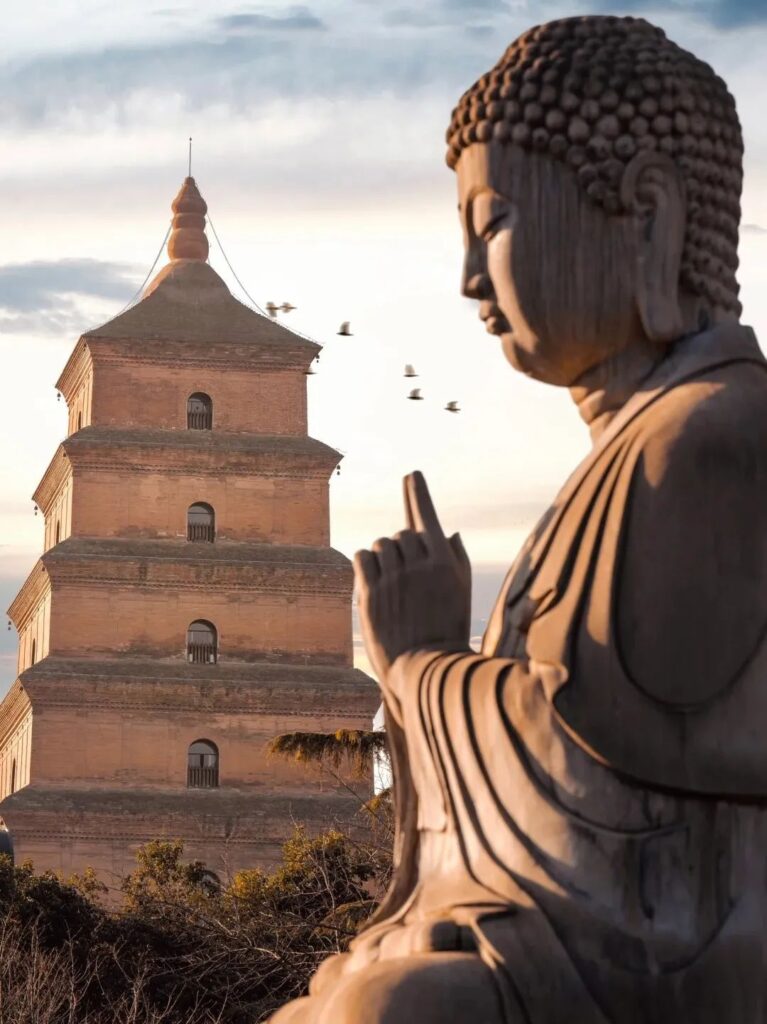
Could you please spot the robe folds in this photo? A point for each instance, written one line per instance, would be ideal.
(599, 835)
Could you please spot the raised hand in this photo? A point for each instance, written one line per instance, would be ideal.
(413, 589)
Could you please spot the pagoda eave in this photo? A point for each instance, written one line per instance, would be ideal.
(280, 689)
(182, 451)
(135, 816)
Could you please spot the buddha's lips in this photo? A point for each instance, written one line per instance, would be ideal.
(496, 323)
(492, 317)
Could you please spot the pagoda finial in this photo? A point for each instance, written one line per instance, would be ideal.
(187, 239)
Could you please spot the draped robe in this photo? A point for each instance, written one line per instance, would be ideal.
(594, 829)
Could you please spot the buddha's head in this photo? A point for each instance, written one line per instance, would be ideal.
(599, 172)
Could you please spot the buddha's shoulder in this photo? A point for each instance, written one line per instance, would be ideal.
(693, 562)
(717, 418)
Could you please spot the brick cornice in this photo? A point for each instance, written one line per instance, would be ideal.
(232, 816)
(162, 451)
(161, 351)
(241, 579)
(229, 566)
(266, 472)
(180, 451)
(351, 705)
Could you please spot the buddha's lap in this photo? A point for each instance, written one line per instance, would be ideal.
(430, 988)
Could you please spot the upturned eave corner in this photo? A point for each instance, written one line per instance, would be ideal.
(59, 468)
(28, 598)
(14, 707)
(77, 366)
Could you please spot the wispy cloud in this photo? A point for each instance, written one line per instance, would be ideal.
(295, 19)
(45, 295)
(447, 13)
(753, 229)
(246, 58)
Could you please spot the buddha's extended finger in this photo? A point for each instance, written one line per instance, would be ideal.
(389, 556)
(421, 514)
(459, 550)
(411, 545)
(366, 567)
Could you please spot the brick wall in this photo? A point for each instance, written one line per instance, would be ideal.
(15, 757)
(146, 395)
(34, 637)
(111, 748)
(275, 510)
(94, 621)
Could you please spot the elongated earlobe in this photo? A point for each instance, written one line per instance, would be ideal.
(652, 191)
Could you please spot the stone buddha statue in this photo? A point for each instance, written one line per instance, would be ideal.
(582, 831)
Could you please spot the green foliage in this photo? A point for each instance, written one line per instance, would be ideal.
(180, 949)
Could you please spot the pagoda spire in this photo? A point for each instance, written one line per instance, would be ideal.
(187, 238)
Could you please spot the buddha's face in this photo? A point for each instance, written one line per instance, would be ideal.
(553, 274)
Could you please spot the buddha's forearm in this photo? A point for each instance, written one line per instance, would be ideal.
(409, 669)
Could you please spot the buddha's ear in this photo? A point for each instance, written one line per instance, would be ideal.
(652, 192)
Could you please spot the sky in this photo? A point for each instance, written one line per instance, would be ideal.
(319, 146)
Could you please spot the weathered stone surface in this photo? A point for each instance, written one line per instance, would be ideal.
(582, 804)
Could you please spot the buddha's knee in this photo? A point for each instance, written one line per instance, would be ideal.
(437, 988)
(327, 974)
(297, 1011)
(306, 1009)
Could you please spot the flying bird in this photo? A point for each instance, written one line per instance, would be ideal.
(344, 330)
(272, 309)
(415, 395)
(410, 371)
(286, 307)
(452, 407)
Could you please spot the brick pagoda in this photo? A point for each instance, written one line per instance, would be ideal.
(188, 606)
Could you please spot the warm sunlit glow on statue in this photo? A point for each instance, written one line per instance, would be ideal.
(580, 806)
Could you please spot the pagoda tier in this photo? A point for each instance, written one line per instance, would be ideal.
(111, 482)
(134, 719)
(189, 335)
(187, 606)
(88, 597)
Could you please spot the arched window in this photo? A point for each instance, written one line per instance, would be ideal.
(202, 765)
(13, 776)
(33, 656)
(199, 412)
(201, 643)
(58, 532)
(200, 522)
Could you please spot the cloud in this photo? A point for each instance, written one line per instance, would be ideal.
(409, 18)
(296, 19)
(447, 13)
(45, 295)
(484, 7)
(734, 13)
(236, 71)
(753, 229)
(726, 14)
